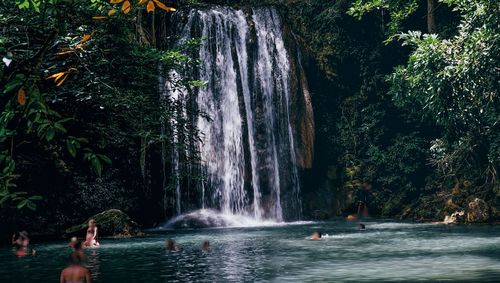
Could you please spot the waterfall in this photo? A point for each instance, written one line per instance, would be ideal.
(248, 150)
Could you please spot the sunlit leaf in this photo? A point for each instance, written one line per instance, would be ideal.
(115, 1)
(85, 38)
(111, 12)
(62, 80)
(21, 96)
(140, 2)
(164, 7)
(126, 7)
(56, 76)
(64, 52)
(97, 18)
(150, 7)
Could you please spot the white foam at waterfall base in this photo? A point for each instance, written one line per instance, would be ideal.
(205, 218)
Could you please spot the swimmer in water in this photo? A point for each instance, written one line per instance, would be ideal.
(20, 238)
(91, 237)
(73, 242)
(316, 236)
(171, 246)
(361, 226)
(21, 242)
(22, 251)
(205, 246)
(76, 272)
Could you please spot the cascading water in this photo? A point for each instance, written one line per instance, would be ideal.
(248, 149)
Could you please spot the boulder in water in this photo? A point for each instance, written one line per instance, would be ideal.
(206, 218)
(478, 211)
(110, 223)
(455, 218)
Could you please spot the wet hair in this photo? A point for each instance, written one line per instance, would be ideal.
(75, 258)
(170, 245)
(77, 245)
(23, 235)
(205, 245)
(18, 247)
(362, 226)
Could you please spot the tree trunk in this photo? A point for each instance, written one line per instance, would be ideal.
(431, 20)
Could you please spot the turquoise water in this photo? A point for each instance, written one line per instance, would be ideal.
(386, 251)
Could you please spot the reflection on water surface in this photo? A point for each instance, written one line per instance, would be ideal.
(386, 251)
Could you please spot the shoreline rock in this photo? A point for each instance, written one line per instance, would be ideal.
(478, 211)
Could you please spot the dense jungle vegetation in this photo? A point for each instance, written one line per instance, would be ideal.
(405, 96)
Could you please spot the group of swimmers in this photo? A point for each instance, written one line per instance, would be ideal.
(76, 272)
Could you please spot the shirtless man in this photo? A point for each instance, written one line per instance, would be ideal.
(91, 237)
(76, 272)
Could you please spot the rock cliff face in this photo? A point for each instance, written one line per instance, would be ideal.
(302, 113)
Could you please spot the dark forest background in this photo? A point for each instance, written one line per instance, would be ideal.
(406, 122)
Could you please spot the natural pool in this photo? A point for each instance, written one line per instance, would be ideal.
(386, 251)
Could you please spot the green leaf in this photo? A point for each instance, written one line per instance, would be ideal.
(105, 159)
(50, 134)
(71, 148)
(22, 203)
(37, 197)
(59, 127)
(31, 205)
(97, 165)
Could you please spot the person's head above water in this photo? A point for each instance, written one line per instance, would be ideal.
(77, 245)
(205, 246)
(171, 246)
(316, 235)
(361, 226)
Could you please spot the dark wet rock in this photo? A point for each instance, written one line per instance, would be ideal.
(198, 219)
(320, 215)
(110, 223)
(478, 211)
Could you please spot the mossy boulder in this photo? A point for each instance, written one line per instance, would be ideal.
(110, 223)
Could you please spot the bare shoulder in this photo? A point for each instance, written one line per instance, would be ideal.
(65, 271)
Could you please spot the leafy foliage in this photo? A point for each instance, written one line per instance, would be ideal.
(48, 71)
(456, 81)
